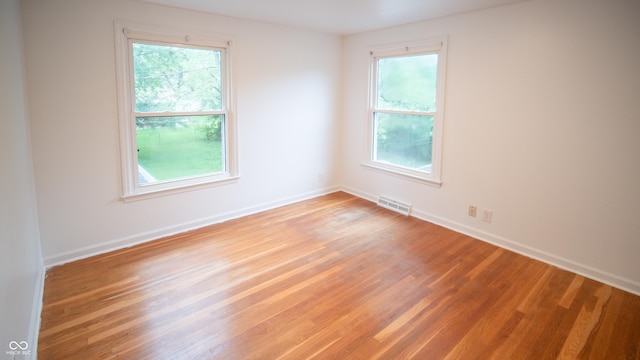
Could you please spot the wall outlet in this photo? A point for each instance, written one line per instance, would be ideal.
(473, 211)
(486, 215)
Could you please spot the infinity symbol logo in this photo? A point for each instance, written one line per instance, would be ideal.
(22, 345)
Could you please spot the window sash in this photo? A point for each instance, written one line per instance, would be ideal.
(153, 135)
(410, 153)
(403, 112)
(177, 113)
(223, 70)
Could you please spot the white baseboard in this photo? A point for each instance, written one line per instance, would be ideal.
(548, 258)
(136, 239)
(36, 312)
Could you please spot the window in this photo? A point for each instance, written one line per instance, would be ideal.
(406, 98)
(176, 123)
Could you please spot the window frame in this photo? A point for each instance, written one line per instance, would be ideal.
(125, 35)
(431, 46)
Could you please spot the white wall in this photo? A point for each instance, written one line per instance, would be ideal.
(287, 84)
(541, 127)
(21, 270)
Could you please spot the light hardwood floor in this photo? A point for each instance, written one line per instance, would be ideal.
(334, 277)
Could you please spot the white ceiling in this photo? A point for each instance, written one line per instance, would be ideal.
(336, 16)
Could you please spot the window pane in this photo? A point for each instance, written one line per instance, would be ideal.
(404, 140)
(179, 147)
(407, 83)
(171, 78)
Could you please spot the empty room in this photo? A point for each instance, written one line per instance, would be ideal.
(306, 179)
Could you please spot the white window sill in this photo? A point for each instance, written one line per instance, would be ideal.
(406, 174)
(154, 191)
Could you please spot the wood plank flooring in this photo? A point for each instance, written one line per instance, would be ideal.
(334, 277)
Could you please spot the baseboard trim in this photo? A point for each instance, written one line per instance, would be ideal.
(141, 238)
(548, 258)
(36, 313)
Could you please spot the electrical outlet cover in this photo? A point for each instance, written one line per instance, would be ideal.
(473, 211)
